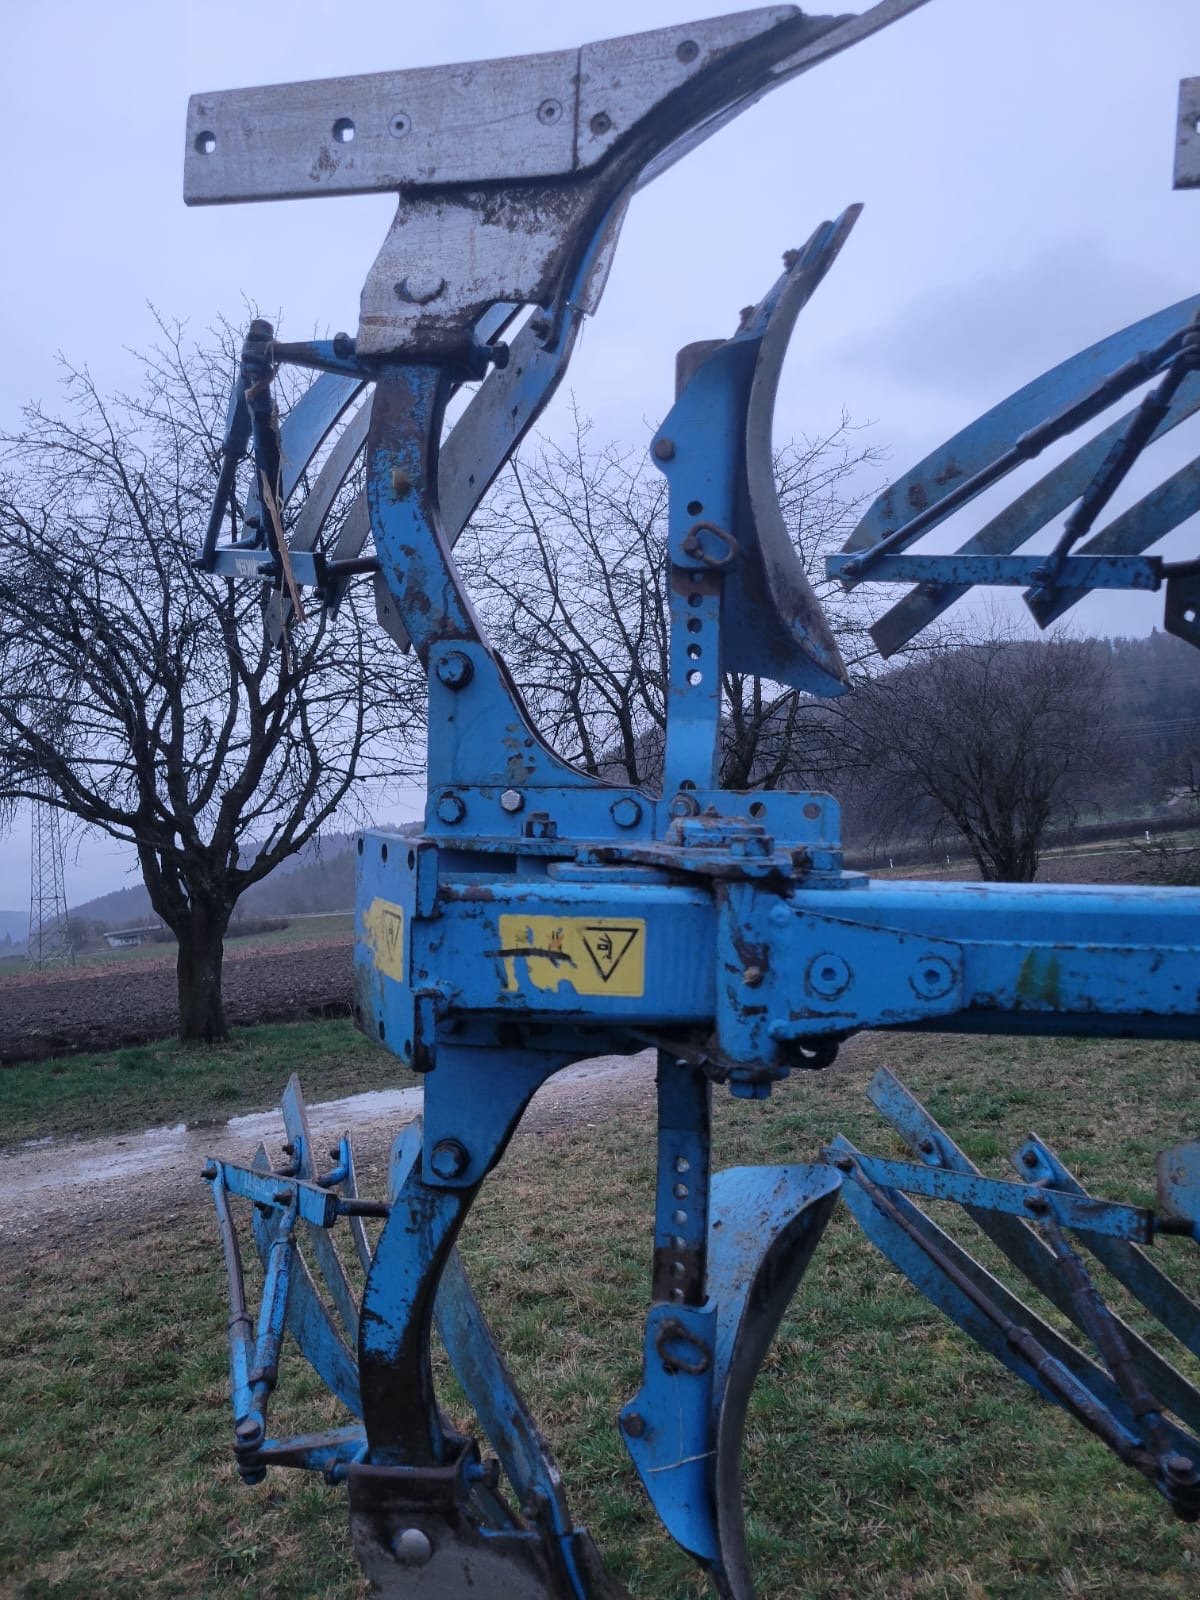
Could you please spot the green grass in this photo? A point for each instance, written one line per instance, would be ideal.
(886, 1458)
(160, 1084)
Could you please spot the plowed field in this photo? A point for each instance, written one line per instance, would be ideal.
(101, 1007)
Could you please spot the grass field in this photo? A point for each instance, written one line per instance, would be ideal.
(886, 1459)
(158, 1085)
(299, 930)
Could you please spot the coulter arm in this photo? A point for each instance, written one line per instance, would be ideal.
(543, 916)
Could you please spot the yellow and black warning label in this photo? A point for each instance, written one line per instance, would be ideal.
(383, 928)
(594, 955)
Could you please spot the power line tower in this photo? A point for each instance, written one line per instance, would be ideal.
(49, 934)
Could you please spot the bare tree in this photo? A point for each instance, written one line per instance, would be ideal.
(147, 696)
(567, 561)
(995, 739)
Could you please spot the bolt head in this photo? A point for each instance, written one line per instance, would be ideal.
(601, 124)
(412, 1548)
(512, 801)
(400, 124)
(449, 1159)
(451, 808)
(752, 977)
(419, 288)
(684, 805)
(664, 449)
(550, 112)
(634, 1424)
(455, 670)
(625, 812)
(687, 51)
(828, 975)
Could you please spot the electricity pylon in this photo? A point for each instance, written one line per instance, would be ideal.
(49, 934)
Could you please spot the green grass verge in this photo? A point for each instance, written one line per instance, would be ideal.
(886, 1458)
(160, 1084)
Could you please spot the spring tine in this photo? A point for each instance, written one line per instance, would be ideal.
(1128, 1263)
(1007, 1328)
(241, 1326)
(308, 1319)
(325, 1252)
(1020, 1242)
(358, 1229)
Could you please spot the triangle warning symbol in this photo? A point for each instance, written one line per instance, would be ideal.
(607, 945)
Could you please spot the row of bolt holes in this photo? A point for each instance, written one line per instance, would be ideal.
(680, 1218)
(695, 677)
(548, 113)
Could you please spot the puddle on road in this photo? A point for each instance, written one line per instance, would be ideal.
(46, 1166)
(43, 1168)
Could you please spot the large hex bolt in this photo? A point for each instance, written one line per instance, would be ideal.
(454, 670)
(828, 975)
(449, 1159)
(512, 800)
(451, 808)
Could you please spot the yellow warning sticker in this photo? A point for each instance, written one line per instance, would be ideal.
(594, 955)
(383, 926)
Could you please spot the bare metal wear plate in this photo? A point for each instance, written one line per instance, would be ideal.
(519, 118)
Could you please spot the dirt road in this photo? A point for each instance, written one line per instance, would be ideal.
(49, 1189)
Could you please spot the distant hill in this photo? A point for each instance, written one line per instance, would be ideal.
(318, 878)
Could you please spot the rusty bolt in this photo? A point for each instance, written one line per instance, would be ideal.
(601, 124)
(411, 1548)
(449, 1159)
(455, 670)
(512, 801)
(664, 449)
(844, 1164)
(211, 1169)
(1037, 1203)
(684, 805)
(687, 51)
(343, 346)
(927, 1147)
(634, 1424)
(625, 812)
(549, 112)
(752, 977)
(401, 483)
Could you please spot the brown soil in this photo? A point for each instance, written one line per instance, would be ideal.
(102, 1007)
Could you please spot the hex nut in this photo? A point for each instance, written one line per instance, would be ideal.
(451, 808)
(449, 1159)
(512, 801)
(625, 812)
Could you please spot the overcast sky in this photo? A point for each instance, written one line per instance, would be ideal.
(1014, 157)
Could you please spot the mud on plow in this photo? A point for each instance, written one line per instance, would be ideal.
(543, 916)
